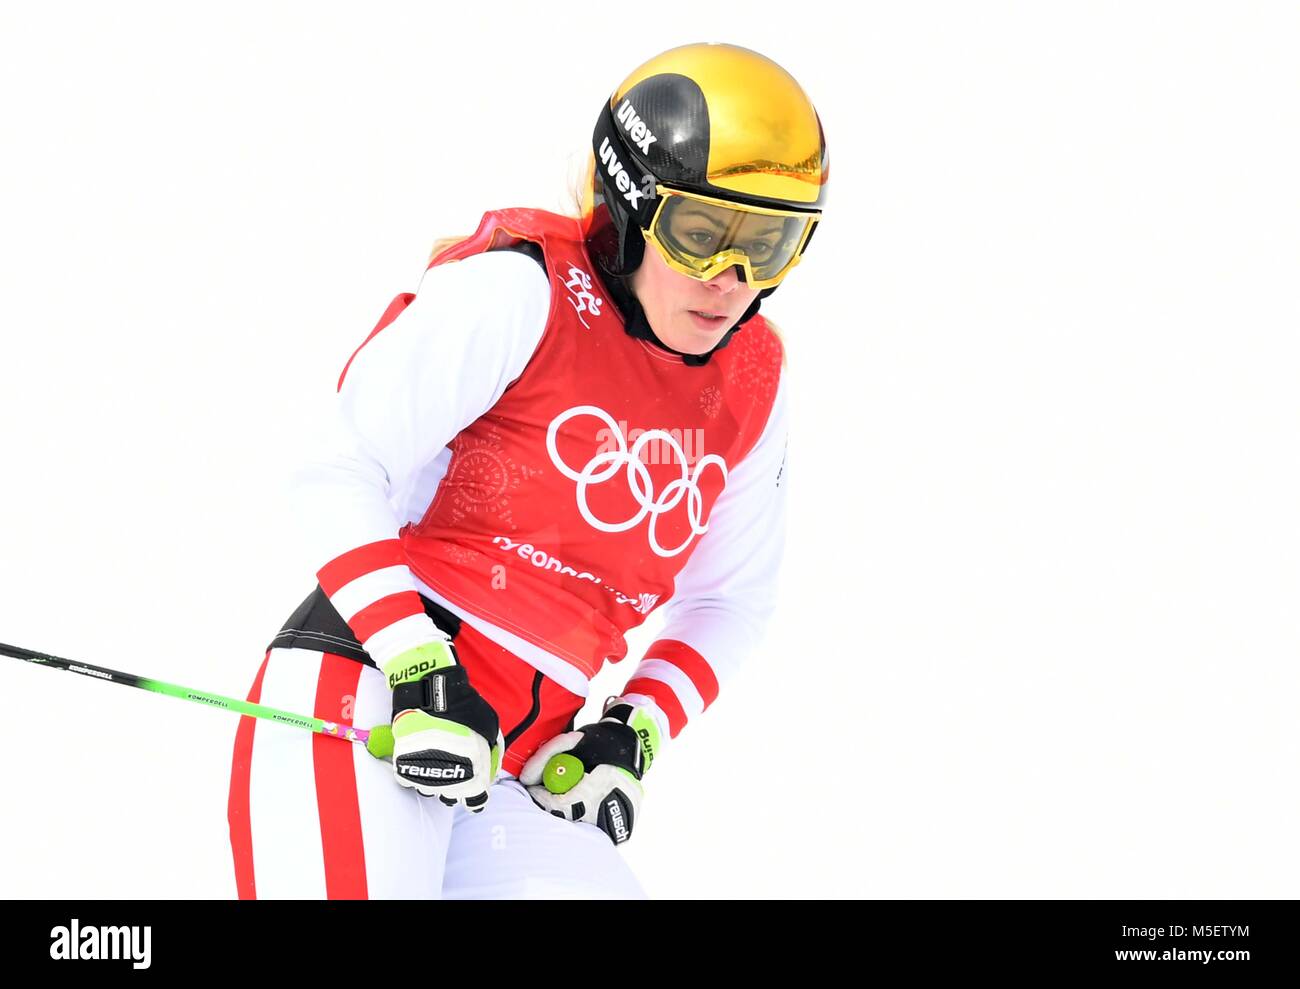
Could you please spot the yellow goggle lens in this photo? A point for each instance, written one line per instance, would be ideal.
(701, 237)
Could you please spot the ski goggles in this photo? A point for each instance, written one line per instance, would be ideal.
(702, 236)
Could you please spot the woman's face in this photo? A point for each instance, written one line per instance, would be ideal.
(672, 303)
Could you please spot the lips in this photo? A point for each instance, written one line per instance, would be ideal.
(708, 315)
(708, 323)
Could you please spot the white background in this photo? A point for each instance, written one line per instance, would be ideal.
(1038, 635)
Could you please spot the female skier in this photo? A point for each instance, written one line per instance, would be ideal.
(572, 422)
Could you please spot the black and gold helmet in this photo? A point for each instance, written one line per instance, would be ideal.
(715, 156)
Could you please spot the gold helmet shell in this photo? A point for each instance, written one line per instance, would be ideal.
(727, 122)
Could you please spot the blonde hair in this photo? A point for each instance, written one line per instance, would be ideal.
(577, 205)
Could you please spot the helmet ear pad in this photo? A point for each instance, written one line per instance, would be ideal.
(632, 250)
(614, 241)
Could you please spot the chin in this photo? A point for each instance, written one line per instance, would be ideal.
(687, 339)
(698, 347)
(693, 341)
(695, 349)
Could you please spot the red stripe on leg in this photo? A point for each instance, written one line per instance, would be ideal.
(359, 562)
(241, 827)
(663, 696)
(689, 662)
(336, 784)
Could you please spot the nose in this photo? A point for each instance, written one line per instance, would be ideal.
(725, 281)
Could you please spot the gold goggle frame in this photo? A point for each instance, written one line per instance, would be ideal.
(760, 275)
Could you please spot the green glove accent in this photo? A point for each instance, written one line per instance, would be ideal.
(562, 773)
(416, 663)
(412, 721)
(647, 730)
(640, 721)
(380, 742)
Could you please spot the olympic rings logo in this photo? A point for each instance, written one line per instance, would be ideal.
(604, 466)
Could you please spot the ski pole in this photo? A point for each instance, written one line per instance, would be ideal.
(377, 740)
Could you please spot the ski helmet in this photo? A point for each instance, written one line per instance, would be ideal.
(713, 131)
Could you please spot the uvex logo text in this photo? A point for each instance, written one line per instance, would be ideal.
(621, 180)
(635, 127)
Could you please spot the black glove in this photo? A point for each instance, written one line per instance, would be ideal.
(593, 774)
(446, 738)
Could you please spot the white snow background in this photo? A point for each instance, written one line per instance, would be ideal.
(1038, 634)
